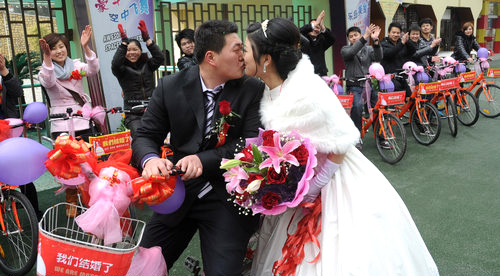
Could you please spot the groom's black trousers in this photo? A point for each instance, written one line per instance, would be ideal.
(224, 239)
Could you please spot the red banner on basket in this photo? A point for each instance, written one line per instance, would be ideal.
(107, 144)
(428, 88)
(493, 73)
(57, 257)
(345, 100)
(469, 76)
(449, 84)
(392, 98)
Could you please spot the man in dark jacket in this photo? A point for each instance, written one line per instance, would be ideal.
(358, 56)
(427, 38)
(320, 39)
(185, 105)
(394, 47)
(11, 90)
(417, 50)
(185, 41)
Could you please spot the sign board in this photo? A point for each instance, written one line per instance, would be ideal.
(428, 88)
(469, 76)
(449, 84)
(107, 144)
(357, 13)
(392, 98)
(493, 73)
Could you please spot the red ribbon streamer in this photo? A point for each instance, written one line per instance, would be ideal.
(222, 135)
(308, 230)
(65, 159)
(153, 191)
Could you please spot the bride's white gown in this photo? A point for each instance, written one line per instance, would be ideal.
(366, 227)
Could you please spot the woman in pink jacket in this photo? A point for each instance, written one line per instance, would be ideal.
(62, 78)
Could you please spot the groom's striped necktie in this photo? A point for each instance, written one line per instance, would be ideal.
(210, 99)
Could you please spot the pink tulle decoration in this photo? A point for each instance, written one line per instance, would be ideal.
(376, 70)
(449, 61)
(97, 113)
(109, 198)
(148, 261)
(409, 66)
(333, 82)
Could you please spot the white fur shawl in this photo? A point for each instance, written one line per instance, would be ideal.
(306, 104)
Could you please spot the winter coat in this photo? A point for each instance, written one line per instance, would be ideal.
(11, 90)
(464, 45)
(424, 42)
(186, 61)
(357, 59)
(394, 55)
(60, 96)
(419, 51)
(136, 79)
(317, 48)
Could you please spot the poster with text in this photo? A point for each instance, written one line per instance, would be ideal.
(105, 17)
(357, 13)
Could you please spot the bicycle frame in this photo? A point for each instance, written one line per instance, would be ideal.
(445, 89)
(413, 102)
(482, 83)
(380, 109)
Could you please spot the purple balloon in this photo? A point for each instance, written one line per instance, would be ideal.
(22, 160)
(340, 89)
(423, 77)
(35, 113)
(174, 202)
(482, 53)
(460, 68)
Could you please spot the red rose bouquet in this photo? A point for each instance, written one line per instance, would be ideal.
(271, 173)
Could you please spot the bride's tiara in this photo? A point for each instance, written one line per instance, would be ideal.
(264, 27)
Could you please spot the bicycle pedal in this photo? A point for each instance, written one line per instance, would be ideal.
(192, 265)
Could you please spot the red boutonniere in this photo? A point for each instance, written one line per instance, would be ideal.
(223, 125)
(77, 75)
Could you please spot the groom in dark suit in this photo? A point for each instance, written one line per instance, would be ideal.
(186, 105)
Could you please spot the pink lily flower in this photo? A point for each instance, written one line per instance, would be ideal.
(233, 177)
(278, 153)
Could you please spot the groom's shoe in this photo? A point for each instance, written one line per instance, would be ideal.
(193, 265)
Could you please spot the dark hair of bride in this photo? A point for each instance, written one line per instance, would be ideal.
(282, 43)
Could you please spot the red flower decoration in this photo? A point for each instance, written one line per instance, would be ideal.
(270, 200)
(240, 198)
(267, 136)
(301, 154)
(248, 154)
(224, 108)
(276, 178)
(75, 75)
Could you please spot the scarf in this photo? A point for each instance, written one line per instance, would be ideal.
(63, 73)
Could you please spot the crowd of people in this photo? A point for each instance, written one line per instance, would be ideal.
(365, 226)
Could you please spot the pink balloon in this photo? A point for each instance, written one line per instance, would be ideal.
(22, 160)
(17, 131)
(377, 70)
(174, 202)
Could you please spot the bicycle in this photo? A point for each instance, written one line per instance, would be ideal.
(19, 229)
(466, 102)
(424, 117)
(487, 94)
(388, 130)
(445, 95)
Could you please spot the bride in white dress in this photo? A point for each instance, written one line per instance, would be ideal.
(366, 228)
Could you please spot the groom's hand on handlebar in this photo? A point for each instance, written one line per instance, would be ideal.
(157, 166)
(191, 165)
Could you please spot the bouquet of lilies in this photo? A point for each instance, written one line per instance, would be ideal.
(271, 173)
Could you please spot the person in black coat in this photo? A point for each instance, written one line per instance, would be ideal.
(394, 48)
(184, 106)
(465, 42)
(320, 39)
(185, 41)
(135, 71)
(417, 49)
(11, 90)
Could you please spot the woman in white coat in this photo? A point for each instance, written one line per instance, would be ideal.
(366, 228)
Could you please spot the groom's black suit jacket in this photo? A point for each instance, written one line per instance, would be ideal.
(177, 106)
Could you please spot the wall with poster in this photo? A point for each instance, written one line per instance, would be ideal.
(105, 15)
(357, 13)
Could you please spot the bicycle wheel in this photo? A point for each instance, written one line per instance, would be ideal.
(18, 244)
(467, 108)
(425, 123)
(489, 105)
(392, 147)
(452, 116)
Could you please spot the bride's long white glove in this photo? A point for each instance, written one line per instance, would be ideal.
(322, 177)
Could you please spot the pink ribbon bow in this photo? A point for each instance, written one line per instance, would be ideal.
(97, 113)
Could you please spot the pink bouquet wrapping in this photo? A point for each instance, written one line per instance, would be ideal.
(271, 173)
